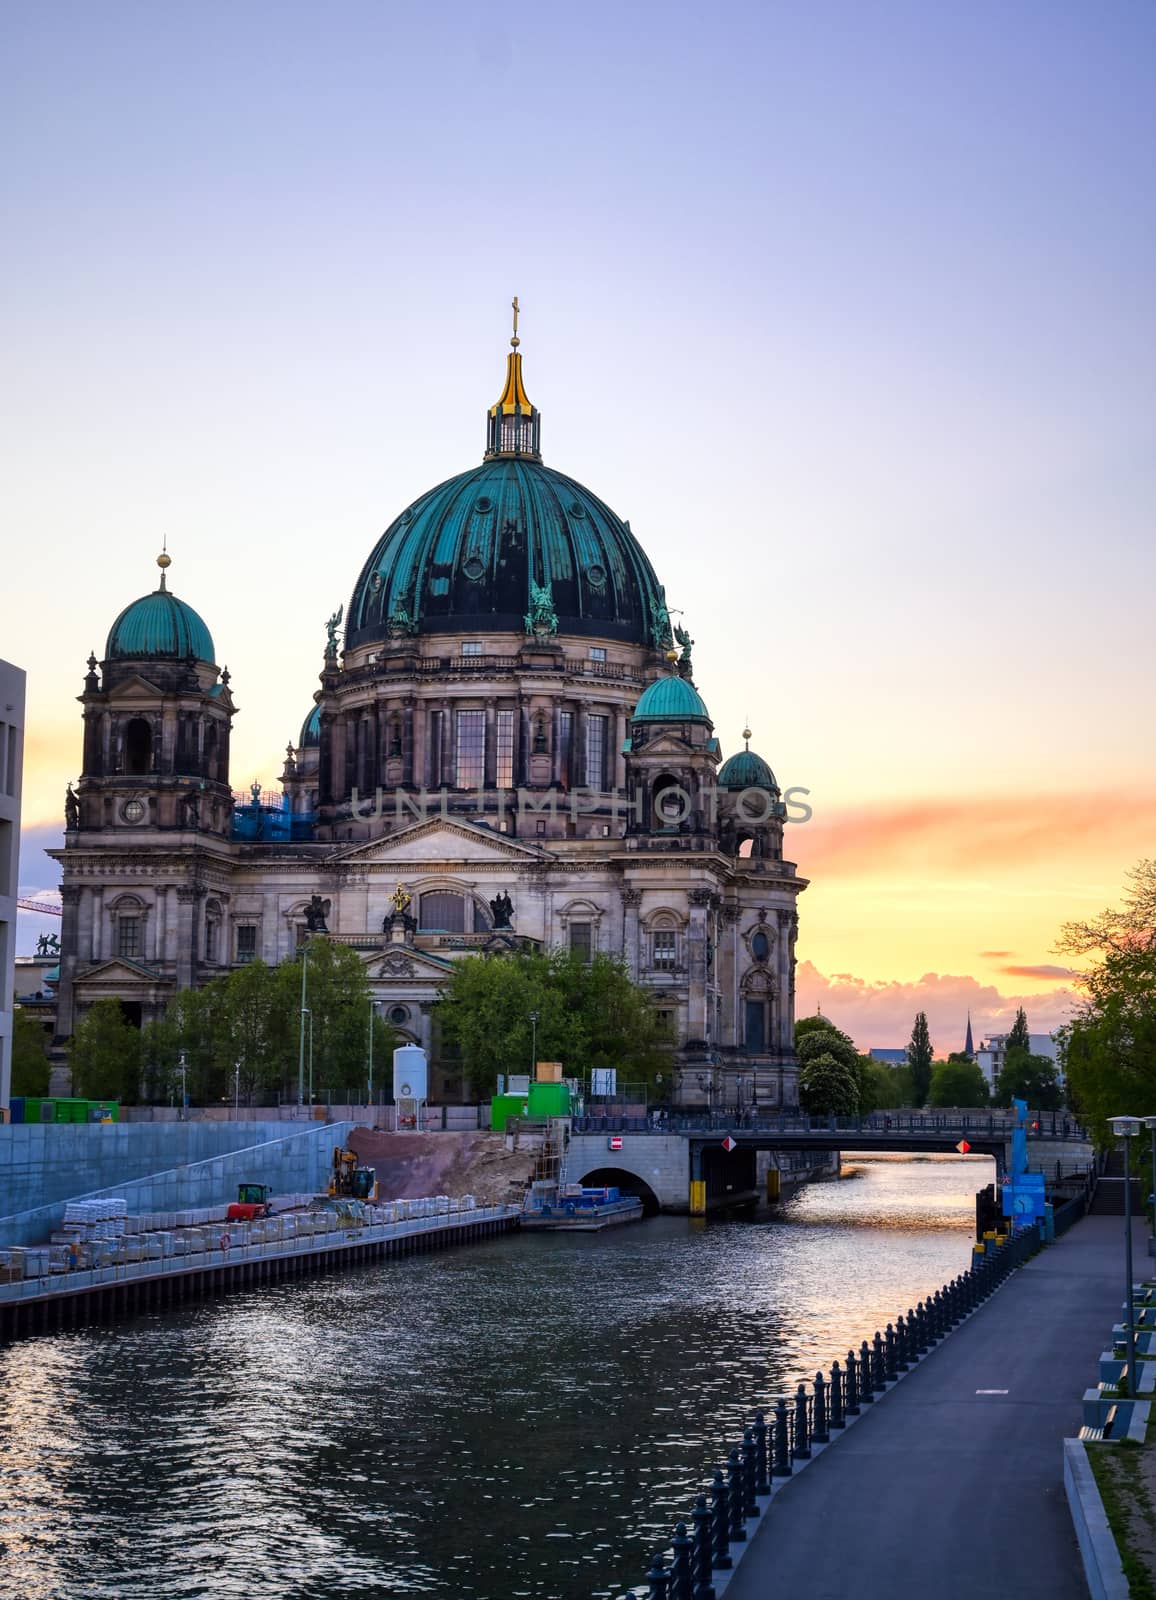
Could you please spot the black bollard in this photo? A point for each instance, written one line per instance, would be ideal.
(681, 1567)
(837, 1418)
(762, 1481)
(921, 1329)
(878, 1375)
(901, 1361)
(735, 1496)
(720, 1520)
(890, 1359)
(802, 1451)
(938, 1314)
(819, 1421)
(866, 1386)
(851, 1386)
(659, 1579)
(750, 1474)
(782, 1464)
(703, 1549)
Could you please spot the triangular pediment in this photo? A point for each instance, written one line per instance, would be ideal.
(662, 744)
(135, 688)
(402, 963)
(441, 840)
(120, 973)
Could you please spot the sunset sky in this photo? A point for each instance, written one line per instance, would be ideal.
(851, 310)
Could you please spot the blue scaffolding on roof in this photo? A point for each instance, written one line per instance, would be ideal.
(265, 817)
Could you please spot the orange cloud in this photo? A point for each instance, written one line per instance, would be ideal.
(970, 835)
(1044, 970)
(881, 1013)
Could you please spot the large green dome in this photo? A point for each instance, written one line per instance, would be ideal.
(311, 730)
(746, 770)
(158, 625)
(462, 558)
(671, 700)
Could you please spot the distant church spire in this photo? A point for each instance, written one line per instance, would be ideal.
(513, 427)
(968, 1046)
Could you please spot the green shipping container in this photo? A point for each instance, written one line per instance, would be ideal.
(505, 1106)
(549, 1100)
(48, 1111)
(32, 1108)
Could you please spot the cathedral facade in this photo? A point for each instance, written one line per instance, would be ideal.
(506, 746)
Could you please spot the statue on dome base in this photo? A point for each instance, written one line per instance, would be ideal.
(315, 915)
(502, 911)
(541, 619)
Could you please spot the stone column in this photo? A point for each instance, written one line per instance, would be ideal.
(696, 962)
(72, 949)
(408, 752)
(783, 1032)
(728, 958)
(490, 764)
(556, 742)
(189, 896)
(448, 765)
(631, 901)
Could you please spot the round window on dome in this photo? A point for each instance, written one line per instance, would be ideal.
(377, 581)
(596, 575)
(577, 509)
(474, 569)
(483, 504)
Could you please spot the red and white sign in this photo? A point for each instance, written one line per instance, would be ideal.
(729, 1144)
(963, 1147)
(615, 1141)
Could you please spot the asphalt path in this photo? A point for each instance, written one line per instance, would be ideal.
(951, 1485)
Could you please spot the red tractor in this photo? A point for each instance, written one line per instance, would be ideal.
(253, 1201)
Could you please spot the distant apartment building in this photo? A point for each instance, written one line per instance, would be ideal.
(11, 769)
(993, 1048)
(888, 1057)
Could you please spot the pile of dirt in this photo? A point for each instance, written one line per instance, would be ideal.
(410, 1166)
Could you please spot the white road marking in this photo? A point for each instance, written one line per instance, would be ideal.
(991, 1391)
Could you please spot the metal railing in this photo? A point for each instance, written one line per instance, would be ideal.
(1045, 1125)
(774, 1446)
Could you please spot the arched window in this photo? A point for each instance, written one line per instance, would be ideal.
(672, 804)
(138, 746)
(442, 911)
(760, 945)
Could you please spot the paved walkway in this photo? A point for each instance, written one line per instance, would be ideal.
(939, 1491)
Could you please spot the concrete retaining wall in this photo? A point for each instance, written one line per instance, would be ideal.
(292, 1162)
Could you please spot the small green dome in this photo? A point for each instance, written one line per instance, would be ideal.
(159, 625)
(311, 730)
(671, 700)
(746, 770)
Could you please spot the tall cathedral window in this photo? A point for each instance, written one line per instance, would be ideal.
(665, 949)
(471, 750)
(595, 753)
(442, 911)
(582, 941)
(128, 937)
(436, 774)
(565, 744)
(755, 1024)
(505, 765)
(246, 942)
(138, 746)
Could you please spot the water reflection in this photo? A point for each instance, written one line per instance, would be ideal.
(521, 1418)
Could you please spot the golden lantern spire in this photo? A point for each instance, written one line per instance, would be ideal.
(513, 422)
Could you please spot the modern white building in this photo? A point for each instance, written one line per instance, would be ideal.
(993, 1048)
(11, 771)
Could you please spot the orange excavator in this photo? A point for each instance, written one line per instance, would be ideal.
(349, 1181)
(253, 1200)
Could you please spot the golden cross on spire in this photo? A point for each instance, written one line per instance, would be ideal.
(515, 341)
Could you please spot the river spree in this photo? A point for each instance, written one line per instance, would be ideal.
(522, 1418)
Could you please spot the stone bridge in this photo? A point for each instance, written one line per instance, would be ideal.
(682, 1163)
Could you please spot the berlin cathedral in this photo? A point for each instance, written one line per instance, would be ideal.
(506, 746)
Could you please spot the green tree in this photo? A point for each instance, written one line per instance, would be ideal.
(1031, 1078)
(1109, 1048)
(30, 1066)
(818, 1035)
(589, 1014)
(1019, 1038)
(337, 997)
(105, 1055)
(958, 1082)
(826, 1085)
(919, 1059)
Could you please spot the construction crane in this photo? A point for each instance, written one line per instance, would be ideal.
(46, 908)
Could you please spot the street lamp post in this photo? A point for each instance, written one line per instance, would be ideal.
(372, 1014)
(237, 1086)
(184, 1089)
(1127, 1128)
(309, 1014)
(533, 1044)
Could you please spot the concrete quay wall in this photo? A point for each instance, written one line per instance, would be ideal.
(174, 1178)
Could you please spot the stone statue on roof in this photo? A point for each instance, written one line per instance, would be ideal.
(541, 619)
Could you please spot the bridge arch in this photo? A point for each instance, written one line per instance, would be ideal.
(628, 1182)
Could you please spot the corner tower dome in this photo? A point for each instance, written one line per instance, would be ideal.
(468, 555)
(746, 770)
(671, 699)
(158, 626)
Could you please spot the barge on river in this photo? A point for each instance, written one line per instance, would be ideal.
(578, 1210)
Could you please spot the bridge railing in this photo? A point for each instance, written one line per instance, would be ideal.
(779, 1441)
(1042, 1125)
